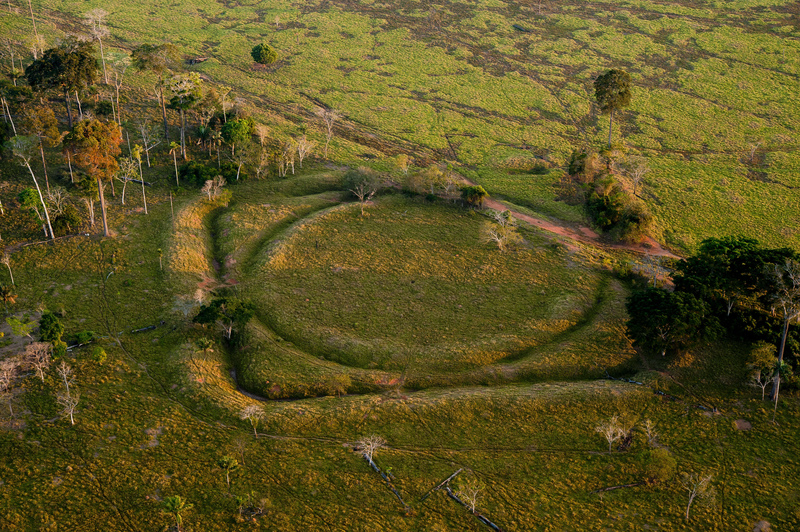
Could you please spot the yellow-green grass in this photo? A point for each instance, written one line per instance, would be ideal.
(462, 77)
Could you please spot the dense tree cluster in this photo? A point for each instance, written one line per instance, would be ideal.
(732, 287)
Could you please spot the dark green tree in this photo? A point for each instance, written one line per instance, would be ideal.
(159, 59)
(238, 131)
(264, 54)
(70, 67)
(660, 320)
(228, 313)
(474, 195)
(613, 92)
(50, 327)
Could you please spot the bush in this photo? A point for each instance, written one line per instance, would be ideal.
(50, 328)
(59, 349)
(99, 354)
(264, 54)
(197, 173)
(85, 337)
(658, 465)
(104, 108)
(474, 195)
(66, 221)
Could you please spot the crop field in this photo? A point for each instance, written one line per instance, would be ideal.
(403, 323)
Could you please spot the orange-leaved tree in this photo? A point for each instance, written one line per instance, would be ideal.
(93, 145)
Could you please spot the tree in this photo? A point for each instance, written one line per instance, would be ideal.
(474, 195)
(19, 327)
(174, 147)
(611, 430)
(137, 154)
(228, 464)
(213, 187)
(71, 67)
(50, 327)
(6, 259)
(127, 172)
(7, 296)
(786, 297)
(186, 93)
(660, 320)
(22, 147)
(238, 131)
(98, 30)
(329, 117)
(41, 122)
(68, 403)
(150, 139)
(120, 63)
(613, 92)
(254, 414)
(175, 506)
(8, 374)
(699, 487)
(363, 183)
(469, 492)
(503, 231)
(228, 313)
(158, 59)
(94, 145)
(304, 148)
(369, 445)
(37, 356)
(264, 54)
(88, 191)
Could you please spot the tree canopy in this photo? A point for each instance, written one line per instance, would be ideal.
(613, 92)
(264, 54)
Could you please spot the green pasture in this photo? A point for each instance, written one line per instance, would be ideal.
(460, 82)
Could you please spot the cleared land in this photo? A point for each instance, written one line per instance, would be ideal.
(516, 407)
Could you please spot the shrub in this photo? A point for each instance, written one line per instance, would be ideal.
(50, 328)
(474, 195)
(65, 222)
(59, 349)
(104, 108)
(658, 465)
(264, 54)
(99, 354)
(197, 173)
(84, 337)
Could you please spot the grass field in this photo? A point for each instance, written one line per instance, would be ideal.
(403, 323)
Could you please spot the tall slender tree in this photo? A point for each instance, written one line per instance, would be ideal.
(160, 59)
(94, 146)
(186, 93)
(95, 20)
(23, 148)
(613, 92)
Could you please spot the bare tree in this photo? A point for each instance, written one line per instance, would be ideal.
(6, 259)
(650, 433)
(67, 375)
(699, 488)
(150, 137)
(469, 492)
(634, 168)
(98, 30)
(304, 148)
(37, 357)
(126, 173)
(502, 231)
(329, 117)
(213, 187)
(8, 374)
(22, 147)
(369, 445)
(759, 379)
(611, 430)
(68, 402)
(58, 199)
(254, 414)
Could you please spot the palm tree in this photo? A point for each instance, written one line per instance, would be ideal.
(228, 464)
(216, 140)
(7, 295)
(175, 505)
